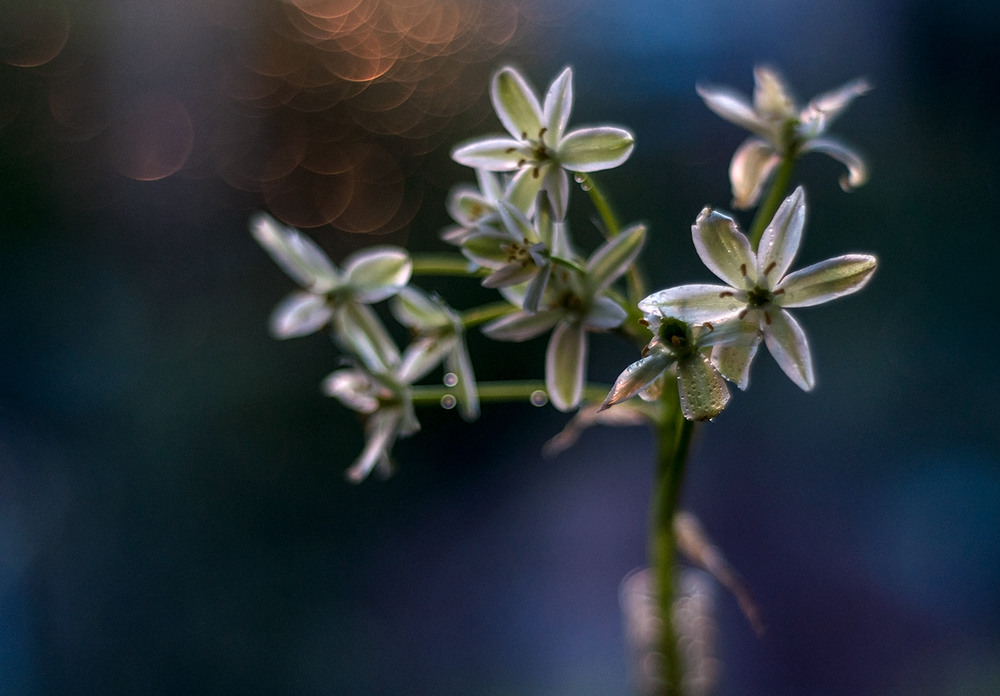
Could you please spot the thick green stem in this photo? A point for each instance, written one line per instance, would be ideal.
(673, 439)
(443, 265)
(775, 195)
(481, 315)
(502, 392)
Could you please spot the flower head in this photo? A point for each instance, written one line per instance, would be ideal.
(539, 148)
(760, 290)
(782, 130)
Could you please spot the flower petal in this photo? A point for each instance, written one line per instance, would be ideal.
(614, 257)
(459, 363)
(377, 273)
(352, 388)
(751, 167)
(695, 303)
(300, 314)
(536, 288)
(723, 248)
(521, 325)
(702, 390)
(416, 310)
(733, 362)
(516, 104)
(734, 107)
(486, 248)
(510, 274)
(381, 430)
(771, 99)
(524, 188)
(638, 375)
(565, 365)
(297, 255)
(593, 149)
(359, 331)
(558, 103)
(822, 110)
(555, 182)
(494, 154)
(857, 170)
(826, 280)
(788, 345)
(605, 314)
(422, 356)
(780, 241)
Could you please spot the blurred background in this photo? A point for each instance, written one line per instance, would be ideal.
(173, 513)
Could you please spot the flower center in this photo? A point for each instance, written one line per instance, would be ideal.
(759, 297)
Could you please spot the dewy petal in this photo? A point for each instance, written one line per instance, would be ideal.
(493, 154)
(734, 107)
(516, 104)
(605, 314)
(751, 167)
(788, 345)
(723, 248)
(703, 392)
(565, 365)
(857, 170)
(593, 149)
(695, 304)
(521, 326)
(733, 362)
(637, 376)
(300, 314)
(558, 103)
(826, 280)
(614, 257)
(297, 255)
(377, 273)
(780, 241)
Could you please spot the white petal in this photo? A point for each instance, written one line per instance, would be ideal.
(822, 110)
(352, 388)
(422, 356)
(771, 98)
(605, 314)
(510, 274)
(297, 255)
(377, 273)
(733, 362)
(521, 326)
(787, 343)
(780, 241)
(594, 149)
(494, 154)
(857, 170)
(300, 314)
(638, 376)
(751, 167)
(734, 107)
(459, 363)
(380, 433)
(613, 258)
(723, 248)
(556, 184)
(524, 188)
(826, 280)
(414, 309)
(558, 103)
(516, 104)
(702, 390)
(565, 365)
(695, 303)
(359, 331)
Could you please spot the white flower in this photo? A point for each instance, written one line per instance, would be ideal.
(330, 294)
(782, 130)
(474, 208)
(574, 304)
(678, 345)
(539, 149)
(759, 288)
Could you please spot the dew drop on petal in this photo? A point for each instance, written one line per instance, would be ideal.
(448, 401)
(582, 180)
(539, 398)
(450, 379)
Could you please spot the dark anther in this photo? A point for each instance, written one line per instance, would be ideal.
(770, 267)
(767, 317)
(743, 268)
(727, 293)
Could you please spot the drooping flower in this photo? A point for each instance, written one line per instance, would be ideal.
(330, 294)
(760, 290)
(781, 130)
(539, 149)
(575, 303)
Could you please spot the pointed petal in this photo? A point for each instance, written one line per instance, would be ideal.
(695, 303)
(486, 248)
(352, 388)
(771, 98)
(605, 314)
(565, 365)
(788, 345)
(422, 356)
(468, 207)
(516, 104)
(494, 154)
(516, 222)
(510, 274)
(702, 390)
(723, 248)
(556, 184)
(857, 170)
(377, 273)
(459, 363)
(733, 362)
(637, 376)
(414, 309)
(380, 433)
(593, 149)
(524, 188)
(824, 109)
(614, 257)
(734, 107)
(521, 326)
(536, 288)
(558, 103)
(780, 241)
(300, 314)
(359, 331)
(750, 169)
(297, 255)
(826, 280)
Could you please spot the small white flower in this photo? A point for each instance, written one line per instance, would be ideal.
(759, 288)
(574, 304)
(539, 149)
(782, 130)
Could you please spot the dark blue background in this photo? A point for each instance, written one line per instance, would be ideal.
(173, 516)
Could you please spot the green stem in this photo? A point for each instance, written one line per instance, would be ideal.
(501, 392)
(443, 265)
(481, 315)
(673, 443)
(775, 195)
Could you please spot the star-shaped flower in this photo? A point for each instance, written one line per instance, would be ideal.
(759, 288)
(539, 148)
(575, 303)
(782, 130)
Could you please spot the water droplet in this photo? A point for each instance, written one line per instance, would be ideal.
(582, 180)
(448, 401)
(450, 379)
(539, 398)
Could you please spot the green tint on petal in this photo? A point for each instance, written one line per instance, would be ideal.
(524, 188)
(751, 167)
(414, 309)
(637, 376)
(521, 326)
(614, 257)
(594, 149)
(787, 343)
(565, 365)
(827, 280)
(605, 314)
(733, 362)
(694, 303)
(459, 364)
(702, 390)
(780, 241)
(359, 330)
(300, 314)
(487, 248)
(297, 255)
(558, 103)
(516, 104)
(723, 248)
(494, 154)
(377, 273)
